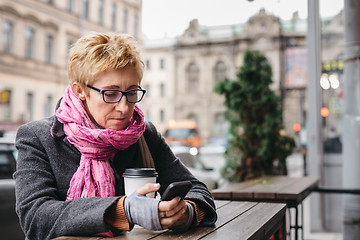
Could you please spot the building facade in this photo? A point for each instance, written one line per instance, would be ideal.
(180, 72)
(35, 39)
(204, 55)
(158, 80)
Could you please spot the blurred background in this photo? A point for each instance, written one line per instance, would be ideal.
(188, 46)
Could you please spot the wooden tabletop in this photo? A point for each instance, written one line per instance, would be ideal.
(236, 220)
(290, 190)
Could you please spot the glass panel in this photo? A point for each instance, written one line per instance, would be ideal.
(85, 9)
(193, 77)
(125, 20)
(4, 159)
(49, 48)
(29, 106)
(113, 16)
(101, 12)
(29, 42)
(8, 36)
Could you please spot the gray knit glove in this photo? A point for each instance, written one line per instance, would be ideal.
(142, 211)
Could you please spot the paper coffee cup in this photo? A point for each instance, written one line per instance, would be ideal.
(135, 178)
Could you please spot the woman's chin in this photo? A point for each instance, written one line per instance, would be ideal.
(118, 126)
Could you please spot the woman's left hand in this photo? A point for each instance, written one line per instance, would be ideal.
(173, 213)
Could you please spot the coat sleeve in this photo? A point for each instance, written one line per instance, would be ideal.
(42, 212)
(171, 169)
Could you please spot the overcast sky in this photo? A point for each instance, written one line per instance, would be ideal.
(172, 17)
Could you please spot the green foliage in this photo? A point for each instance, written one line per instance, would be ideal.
(255, 145)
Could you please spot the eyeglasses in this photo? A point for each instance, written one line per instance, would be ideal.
(114, 95)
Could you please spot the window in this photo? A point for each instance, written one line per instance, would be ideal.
(48, 106)
(136, 25)
(219, 71)
(101, 12)
(29, 106)
(147, 63)
(162, 63)
(162, 116)
(70, 43)
(29, 42)
(113, 16)
(192, 73)
(147, 88)
(162, 90)
(125, 20)
(8, 36)
(49, 48)
(5, 102)
(70, 6)
(85, 9)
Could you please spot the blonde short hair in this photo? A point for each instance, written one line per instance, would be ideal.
(96, 53)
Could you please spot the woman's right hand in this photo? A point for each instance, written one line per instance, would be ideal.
(173, 213)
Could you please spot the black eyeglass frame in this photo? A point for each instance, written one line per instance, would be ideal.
(123, 93)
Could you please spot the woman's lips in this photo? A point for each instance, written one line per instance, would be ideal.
(119, 119)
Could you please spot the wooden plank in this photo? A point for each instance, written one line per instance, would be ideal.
(259, 222)
(269, 190)
(220, 203)
(274, 188)
(139, 233)
(226, 213)
(221, 194)
(299, 190)
(225, 193)
(261, 188)
(77, 238)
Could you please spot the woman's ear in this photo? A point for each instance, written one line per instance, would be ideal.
(78, 90)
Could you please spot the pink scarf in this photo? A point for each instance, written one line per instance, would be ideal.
(94, 176)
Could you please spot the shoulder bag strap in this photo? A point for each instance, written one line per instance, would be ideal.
(147, 160)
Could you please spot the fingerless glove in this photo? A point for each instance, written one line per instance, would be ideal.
(142, 211)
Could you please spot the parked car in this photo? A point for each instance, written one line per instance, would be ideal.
(189, 157)
(8, 154)
(9, 221)
(213, 155)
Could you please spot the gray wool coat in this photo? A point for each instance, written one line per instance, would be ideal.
(46, 164)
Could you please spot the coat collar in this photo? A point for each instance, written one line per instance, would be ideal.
(57, 128)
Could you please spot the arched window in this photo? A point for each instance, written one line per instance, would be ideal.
(192, 72)
(219, 71)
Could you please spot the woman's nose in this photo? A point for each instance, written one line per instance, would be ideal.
(122, 105)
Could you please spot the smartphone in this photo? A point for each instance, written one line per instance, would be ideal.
(176, 189)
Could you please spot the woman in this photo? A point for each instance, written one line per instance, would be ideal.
(68, 178)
